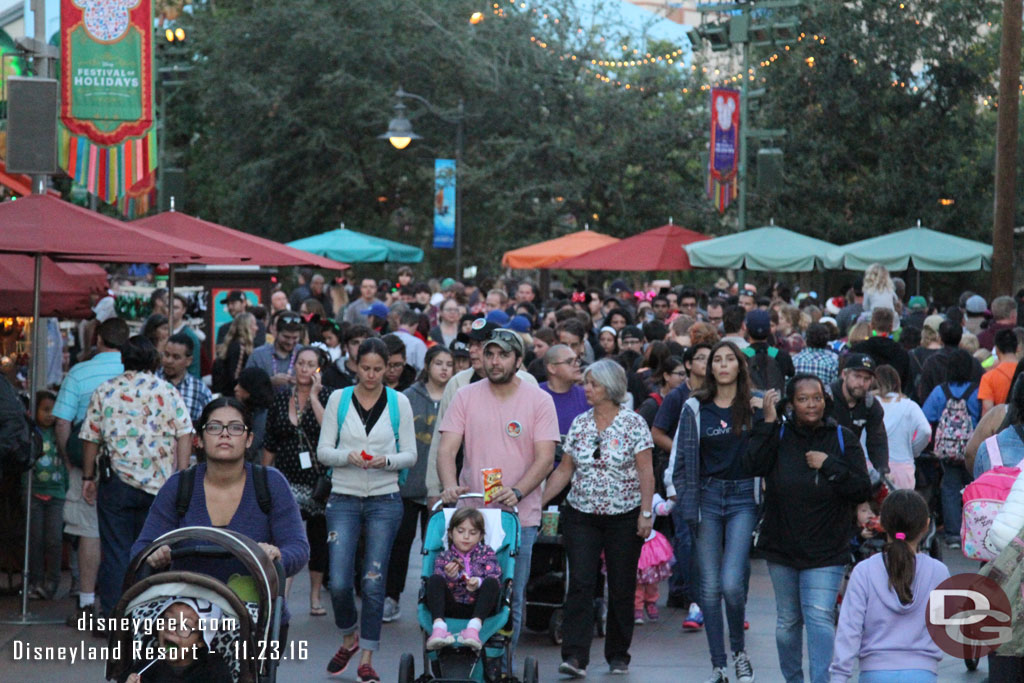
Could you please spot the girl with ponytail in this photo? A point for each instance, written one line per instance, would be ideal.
(882, 621)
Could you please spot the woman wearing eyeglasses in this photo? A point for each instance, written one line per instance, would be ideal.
(293, 430)
(608, 510)
(224, 496)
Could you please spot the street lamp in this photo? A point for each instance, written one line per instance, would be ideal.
(400, 134)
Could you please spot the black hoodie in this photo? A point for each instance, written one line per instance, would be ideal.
(808, 513)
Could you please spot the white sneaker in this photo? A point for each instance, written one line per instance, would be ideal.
(744, 671)
(391, 610)
(718, 676)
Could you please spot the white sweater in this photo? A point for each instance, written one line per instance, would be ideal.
(1010, 519)
(907, 428)
(333, 451)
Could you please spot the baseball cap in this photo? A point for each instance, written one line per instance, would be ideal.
(234, 295)
(631, 332)
(519, 323)
(378, 310)
(976, 305)
(859, 361)
(498, 317)
(933, 321)
(481, 330)
(759, 323)
(447, 282)
(917, 303)
(618, 286)
(508, 341)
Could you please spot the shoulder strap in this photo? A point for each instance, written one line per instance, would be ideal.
(945, 390)
(749, 351)
(186, 482)
(839, 435)
(772, 352)
(970, 390)
(995, 458)
(259, 482)
(393, 413)
(343, 405)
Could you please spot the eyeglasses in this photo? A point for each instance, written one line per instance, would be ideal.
(396, 366)
(569, 361)
(216, 428)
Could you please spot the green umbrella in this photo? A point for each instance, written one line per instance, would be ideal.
(355, 247)
(928, 250)
(769, 248)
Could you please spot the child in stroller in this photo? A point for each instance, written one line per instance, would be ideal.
(190, 625)
(464, 583)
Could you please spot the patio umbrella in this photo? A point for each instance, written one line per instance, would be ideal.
(652, 250)
(924, 248)
(256, 250)
(769, 248)
(65, 287)
(355, 247)
(544, 254)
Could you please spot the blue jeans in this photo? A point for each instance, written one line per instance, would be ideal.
(377, 519)
(727, 517)
(519, 581)
(122, 511)
(954, 479)
(902, 676)
(684, 571)
(805, 597)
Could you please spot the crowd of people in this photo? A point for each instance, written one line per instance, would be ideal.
(680, 430)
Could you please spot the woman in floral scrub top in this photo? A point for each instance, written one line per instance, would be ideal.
(608, 511)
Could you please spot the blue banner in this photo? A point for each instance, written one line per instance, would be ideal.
(444, 203)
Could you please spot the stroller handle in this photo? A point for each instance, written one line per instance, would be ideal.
(440, 503)
(212, 551)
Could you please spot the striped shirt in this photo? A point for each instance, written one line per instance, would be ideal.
(81, 380)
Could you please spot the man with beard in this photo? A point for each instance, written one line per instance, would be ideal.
(854, 408)
(509, 424)
(278, 359)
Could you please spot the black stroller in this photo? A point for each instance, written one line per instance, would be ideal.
(246, 627)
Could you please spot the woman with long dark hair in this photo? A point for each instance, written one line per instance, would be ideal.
(256, 393)
(815, 473)
(717, 499)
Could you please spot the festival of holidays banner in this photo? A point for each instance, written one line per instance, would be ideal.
(444, 203)
(107, 142)
(725, 137)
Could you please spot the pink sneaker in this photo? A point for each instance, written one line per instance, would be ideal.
(652, 611)
(439, 638)
(470, 637)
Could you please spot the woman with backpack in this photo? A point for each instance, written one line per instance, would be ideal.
(368, 437)
(906, 427)
(953, 410)
(815, 473)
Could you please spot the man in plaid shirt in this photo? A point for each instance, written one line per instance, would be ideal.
(178, 354)
(817, 358)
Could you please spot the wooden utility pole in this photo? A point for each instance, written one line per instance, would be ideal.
(1006, 149)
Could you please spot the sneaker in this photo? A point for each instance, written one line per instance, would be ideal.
(953, 545)
(694, 620)
(470, 637)
(440, 637)
(638, 616)
(366, 674)
(571, 667)
(744, 672)
(87, 612)
(618, 668)
(391, 610)
(652, 611)
(718, 676)
(339, 662)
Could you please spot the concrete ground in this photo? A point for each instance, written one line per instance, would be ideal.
(661, 651)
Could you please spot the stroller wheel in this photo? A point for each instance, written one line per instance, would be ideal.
(555, 626)
(971, 664)
(531, 671)
(406, 668)
(935, 550)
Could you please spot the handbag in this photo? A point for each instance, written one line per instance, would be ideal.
(322, 488)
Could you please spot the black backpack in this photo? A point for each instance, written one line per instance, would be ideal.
(16, 443)
(765, 372)
(187, 482)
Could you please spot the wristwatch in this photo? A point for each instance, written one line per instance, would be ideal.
(646, 514)
(519, 494)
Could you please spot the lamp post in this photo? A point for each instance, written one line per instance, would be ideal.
(400, 134)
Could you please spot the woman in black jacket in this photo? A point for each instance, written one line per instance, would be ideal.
(815, 473)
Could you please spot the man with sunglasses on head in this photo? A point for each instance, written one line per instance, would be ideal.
(278, 359)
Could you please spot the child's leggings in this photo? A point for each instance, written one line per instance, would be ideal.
(442, 603)
(645, 592)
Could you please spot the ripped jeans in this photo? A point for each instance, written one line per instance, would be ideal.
(376, 518)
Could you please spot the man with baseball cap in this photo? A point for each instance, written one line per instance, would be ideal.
(855, 408)
(509, 424)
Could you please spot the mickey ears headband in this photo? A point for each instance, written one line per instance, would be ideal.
(579, 297)
(645, 296)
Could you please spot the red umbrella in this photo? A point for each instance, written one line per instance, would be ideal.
(255, 250)
(65, 287)
(652, 250)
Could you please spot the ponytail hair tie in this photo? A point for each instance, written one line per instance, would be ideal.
(900, 536)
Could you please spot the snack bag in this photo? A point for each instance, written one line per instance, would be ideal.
(492, 483)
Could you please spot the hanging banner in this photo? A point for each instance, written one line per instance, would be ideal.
(725, 138)
(108, 144)
(444, 203)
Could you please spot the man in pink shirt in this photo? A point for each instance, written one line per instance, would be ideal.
(508, 424)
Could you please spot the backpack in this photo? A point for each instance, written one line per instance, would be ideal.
(658, 398)
(16, 443)
(346, 401)
(983, 498)
(765, 372)
(187, 482)
(955, 426)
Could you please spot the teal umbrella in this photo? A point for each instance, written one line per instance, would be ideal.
(355, 247)
(926, 249)
(769, 248)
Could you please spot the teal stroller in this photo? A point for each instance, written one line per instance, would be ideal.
(458, 663)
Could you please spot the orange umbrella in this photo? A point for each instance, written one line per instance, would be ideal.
(543, 254)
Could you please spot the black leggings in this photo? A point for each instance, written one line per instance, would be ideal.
(442, 603)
